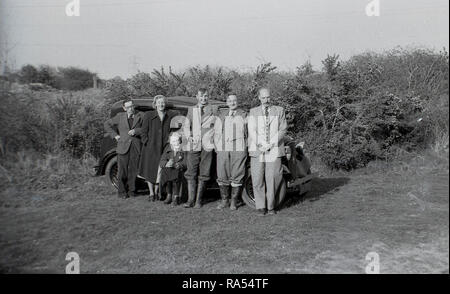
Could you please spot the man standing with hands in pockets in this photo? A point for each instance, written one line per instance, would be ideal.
(122, 128)
(266, 130)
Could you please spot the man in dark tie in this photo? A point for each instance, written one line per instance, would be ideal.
(266, 130)
(122, 128)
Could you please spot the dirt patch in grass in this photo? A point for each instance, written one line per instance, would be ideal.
(399, 212)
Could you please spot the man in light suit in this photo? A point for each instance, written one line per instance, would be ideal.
(230, 139)
(200, 132)
(122, 128)
(266, 130)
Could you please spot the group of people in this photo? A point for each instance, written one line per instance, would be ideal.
(163, 147)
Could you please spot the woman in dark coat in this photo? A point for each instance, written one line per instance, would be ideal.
(154, 132)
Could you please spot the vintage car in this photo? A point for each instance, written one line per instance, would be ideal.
(296, 165)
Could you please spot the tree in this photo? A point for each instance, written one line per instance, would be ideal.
(305, 69)
(46, 75)
(331, 66)
(75, 79)
(28, 74)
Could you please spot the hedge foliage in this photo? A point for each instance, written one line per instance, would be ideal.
(349, 112)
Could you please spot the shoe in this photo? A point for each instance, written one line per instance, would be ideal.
(192, 187)
(224, 195)
(158, 195)
(151, 198)
(271, 212)
(168, 199)
(262, 212)
(200, 190)
(235, 192)
(132, 194)
(122, 195)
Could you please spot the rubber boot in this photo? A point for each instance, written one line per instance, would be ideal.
(200, 190)
(225, 196)
(192, 186)
(175, 200)
(168, 199)
(235, 192)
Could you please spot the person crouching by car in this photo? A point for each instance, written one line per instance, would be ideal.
(230, 139)
(172, 166)
(122, 128)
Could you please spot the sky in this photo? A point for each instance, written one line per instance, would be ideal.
(120, 37)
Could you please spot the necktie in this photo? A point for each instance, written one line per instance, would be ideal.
(130, 120)
(267, 127)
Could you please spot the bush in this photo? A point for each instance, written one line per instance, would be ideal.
(63, 78)
(350, 113)
(367, 107)
(28, 74)
(50, 122)
(74, 79)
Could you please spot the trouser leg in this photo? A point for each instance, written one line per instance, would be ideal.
(193, 159)
(274, 180)
(257, 169)
(133, 164)
(237, 168)
(192, 163)
(223, 168)
(122, 166)
(204, 169)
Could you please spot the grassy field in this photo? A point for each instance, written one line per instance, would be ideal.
(399, 210)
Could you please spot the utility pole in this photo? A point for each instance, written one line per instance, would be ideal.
(134, 65)
(6, 49)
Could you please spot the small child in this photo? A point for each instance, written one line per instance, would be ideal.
(172, 166)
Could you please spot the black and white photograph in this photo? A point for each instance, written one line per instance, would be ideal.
(224, 137)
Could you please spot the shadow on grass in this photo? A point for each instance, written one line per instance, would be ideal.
(319, 188)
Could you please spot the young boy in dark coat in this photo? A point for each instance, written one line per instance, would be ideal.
(173, 164)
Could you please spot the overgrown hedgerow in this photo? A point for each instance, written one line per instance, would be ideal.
(349, 113)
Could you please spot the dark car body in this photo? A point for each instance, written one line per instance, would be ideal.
(108, 160)
(178, 103)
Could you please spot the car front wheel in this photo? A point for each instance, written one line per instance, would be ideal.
(248, 195)
(111, 172)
